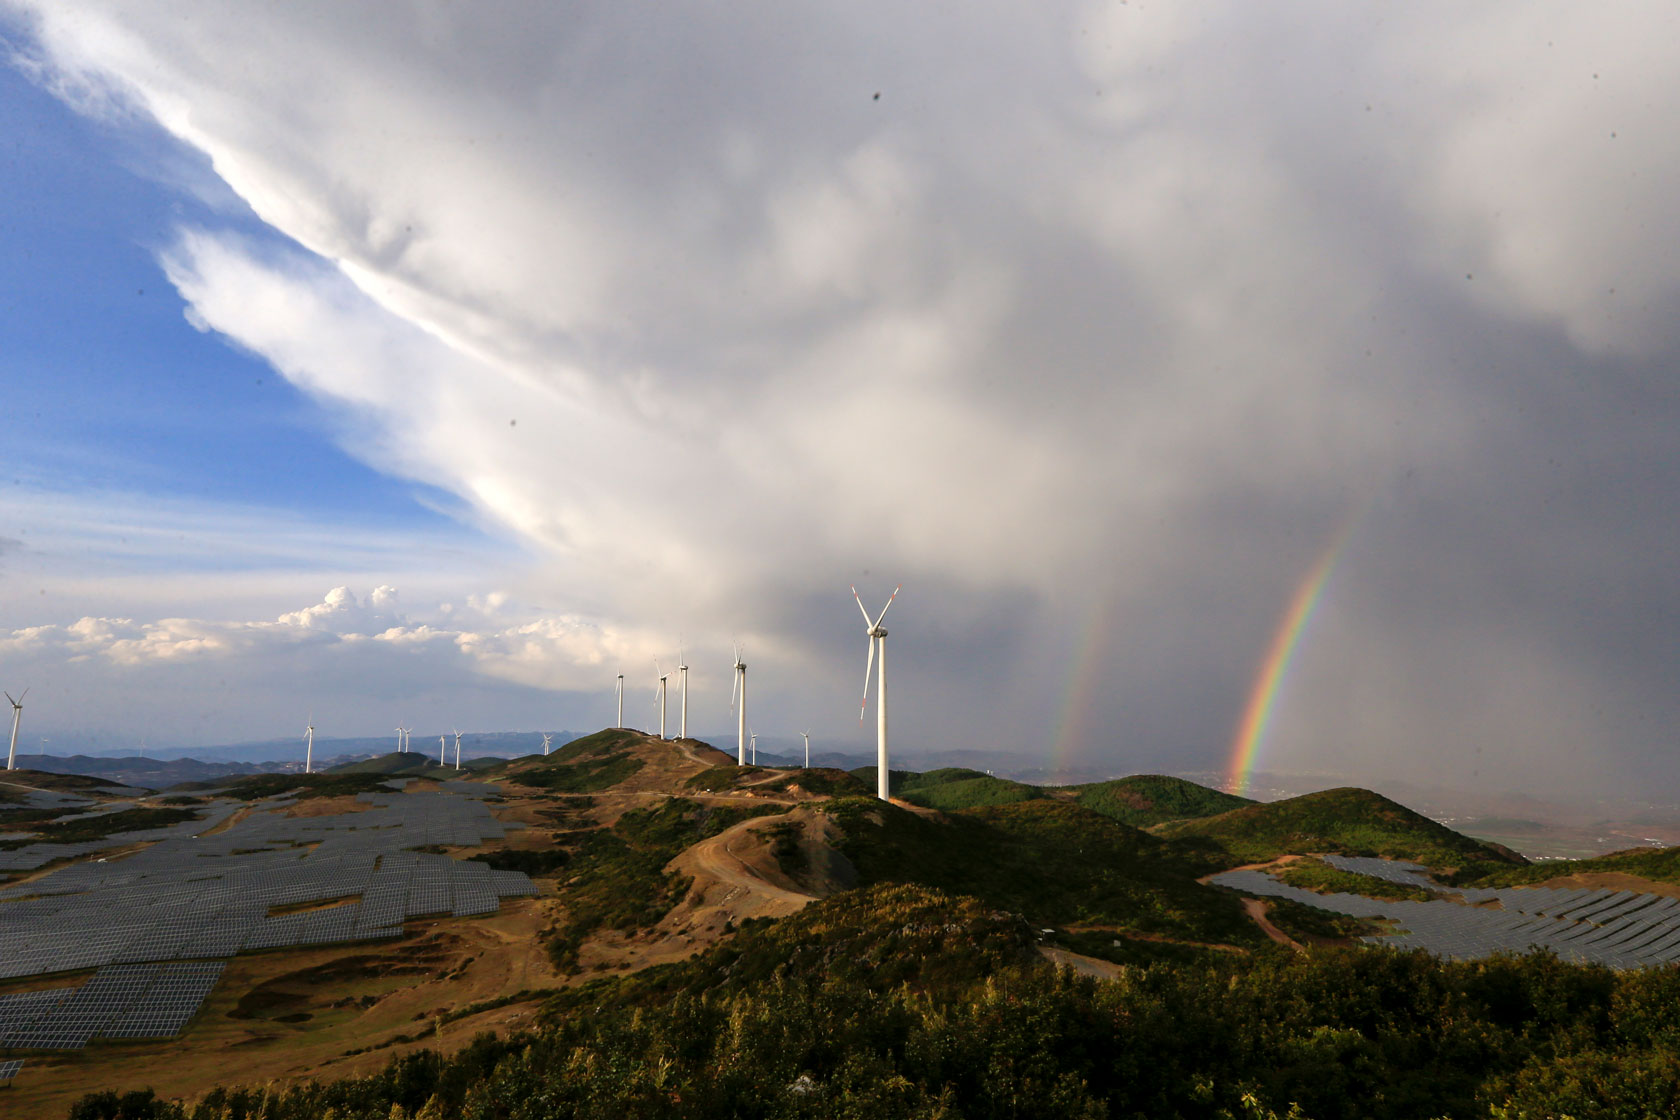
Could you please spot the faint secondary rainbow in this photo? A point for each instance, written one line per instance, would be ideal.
(1262, 698)
(1084, 683)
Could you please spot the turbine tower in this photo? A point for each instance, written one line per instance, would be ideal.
(807, 736)
(682, 675)
(741, 715)
(877, 637)
(398, 730)
(457, 748)
(660, 693)
(17, 714)
(547, 738)
(441, 738)
(405, 731)
(754, 737)
(621, 700)
(309, 751)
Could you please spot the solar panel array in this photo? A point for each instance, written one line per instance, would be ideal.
(1620, 929)
(32, 856)
(9, 1070)
(121, 1001)
(268, 881)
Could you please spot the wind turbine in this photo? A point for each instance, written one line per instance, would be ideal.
(682, 675)
(17, 714)
(457, 748)
(741, 716)
(546, 739)
(754, 738)
(659, 692)
(309, 751)
(441, 738)
(398, 730)
(807, 736)
(621, 700)
(405, 731)
(877, 637)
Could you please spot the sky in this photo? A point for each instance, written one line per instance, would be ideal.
(435, 363)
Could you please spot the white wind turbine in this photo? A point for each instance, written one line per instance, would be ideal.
(17, 714)
(682, 675)
(807, 736)
(877, 637)
(621, 700)
(457, 748)
(441, 738)
(754, 738)
(547, 738)
(659, 694)
(398, 730)
(405, 731)
(741, 714)
(309, 751)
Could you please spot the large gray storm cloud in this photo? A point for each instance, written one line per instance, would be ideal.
(1090, 324)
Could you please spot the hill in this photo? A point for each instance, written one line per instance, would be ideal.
(1149, 799)
(1054, 863)
(705, 936)
(409, 764)
(1657, 865)
(1347, 821)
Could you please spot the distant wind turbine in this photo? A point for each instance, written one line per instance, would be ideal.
(755, 748)
(457, 748)
(547, 738)
(807, 736)
(741, 715)
(405, 731)
(682, 675)
(621, 700)
(309, 750)
(659, 693)
(398, 730)
(877, 637)
(441, 738)
(17, 714)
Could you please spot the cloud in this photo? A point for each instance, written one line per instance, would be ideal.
(1099, 312)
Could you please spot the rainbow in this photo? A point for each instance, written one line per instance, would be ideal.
(1262, 698)
(1084, 683)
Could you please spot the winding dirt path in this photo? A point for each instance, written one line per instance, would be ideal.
(1256, 909)
(718, 860)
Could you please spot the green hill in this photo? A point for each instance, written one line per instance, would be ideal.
(1660, 865)
(950, 788)
(1149, 799)
(1054, 863)
(1347, 821)
(585, 765)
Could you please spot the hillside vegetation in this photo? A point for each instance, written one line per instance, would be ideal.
(950, 788)
(1149, 799)
(1345, 821)
(1054, 863)
(896, 1002)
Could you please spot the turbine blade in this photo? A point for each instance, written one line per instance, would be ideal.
(866, 621)
(884, 609)
(735, 683)
(868, 667)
